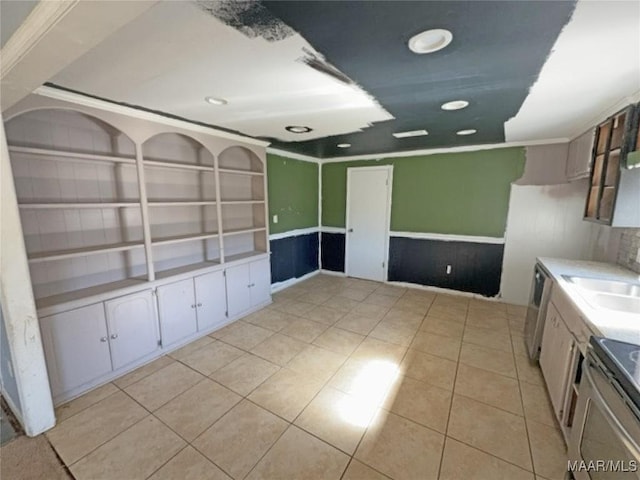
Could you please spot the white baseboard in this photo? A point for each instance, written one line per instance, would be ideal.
(331, 272)
(446, 291)
(276, 287)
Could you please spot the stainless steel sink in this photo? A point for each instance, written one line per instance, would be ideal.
(605, 286)
(621, 303)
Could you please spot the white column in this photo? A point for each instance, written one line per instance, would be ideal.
(19, 310)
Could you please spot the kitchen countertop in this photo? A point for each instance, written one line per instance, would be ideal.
(603, 322)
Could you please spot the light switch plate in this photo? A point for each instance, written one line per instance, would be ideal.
(275, 219)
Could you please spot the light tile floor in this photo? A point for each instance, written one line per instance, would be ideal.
(338, 379)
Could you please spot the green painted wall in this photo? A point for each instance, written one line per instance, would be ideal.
(293, 193)
(452, 193)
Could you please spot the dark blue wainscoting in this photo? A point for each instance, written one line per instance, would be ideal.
(333, 251)
(293, 257)
(475, 267)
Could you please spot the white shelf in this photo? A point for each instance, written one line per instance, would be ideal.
(240, 231)
(240, 202)
(88, 292)
(161, 274)
(183, 238)
(242, 256)
(179, 203)
(71, 156)
(181, 166)
(79, 252)
(50, 206)
(239, 172)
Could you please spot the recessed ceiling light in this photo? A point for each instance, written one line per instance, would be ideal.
(298, 129)
(455, 105)
(343, 145)
(412, 133)
(470, 131)
(215, 101)
(430, 41)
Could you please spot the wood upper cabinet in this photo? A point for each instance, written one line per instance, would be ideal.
(614, 192)
(579, 156)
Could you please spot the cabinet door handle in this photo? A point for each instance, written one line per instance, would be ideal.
(199, 304)
(114, 336)
(103, 339)
(249, 286)
(193, 306)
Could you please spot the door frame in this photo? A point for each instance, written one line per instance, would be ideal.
(389, 169)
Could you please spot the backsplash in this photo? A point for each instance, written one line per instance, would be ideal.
(628, 249)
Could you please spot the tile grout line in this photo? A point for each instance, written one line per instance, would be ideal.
(453, 389)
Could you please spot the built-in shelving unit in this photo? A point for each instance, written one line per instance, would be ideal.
(104, 210)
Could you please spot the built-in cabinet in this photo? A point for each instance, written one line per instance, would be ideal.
(564, 344)
(141, 233)
(246, 286)
(192, 305)
(555, 357)
(614, 190)
(579, 156)
(87, 343)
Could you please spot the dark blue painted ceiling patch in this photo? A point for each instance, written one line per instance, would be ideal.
(497, 52)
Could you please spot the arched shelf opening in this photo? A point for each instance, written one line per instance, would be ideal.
(182, 202)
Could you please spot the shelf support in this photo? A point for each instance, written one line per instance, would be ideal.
(144, 210)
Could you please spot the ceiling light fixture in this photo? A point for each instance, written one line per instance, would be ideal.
(455, 105)
(470, 131)
(430, 41)
(298, 129)
(215, 101)
(412, 133)
(343, 145)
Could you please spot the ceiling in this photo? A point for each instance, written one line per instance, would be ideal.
(531, 71)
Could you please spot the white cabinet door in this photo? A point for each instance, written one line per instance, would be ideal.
(260, 274)
(238, 282)
(133, 327)
(579, 156)
(177, 310)
(211, 298)
(76, 347)
(555, 357)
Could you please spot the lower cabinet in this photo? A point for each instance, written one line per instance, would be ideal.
(555, 358)
(248, 285)
(87, 344)
(191, 305)
(84, 344)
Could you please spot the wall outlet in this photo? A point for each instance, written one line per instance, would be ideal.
(275, 219)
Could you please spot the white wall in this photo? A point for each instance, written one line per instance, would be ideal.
(543, 221)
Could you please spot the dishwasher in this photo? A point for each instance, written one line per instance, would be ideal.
(537, 311)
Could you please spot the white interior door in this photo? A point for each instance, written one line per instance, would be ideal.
(368, 207)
